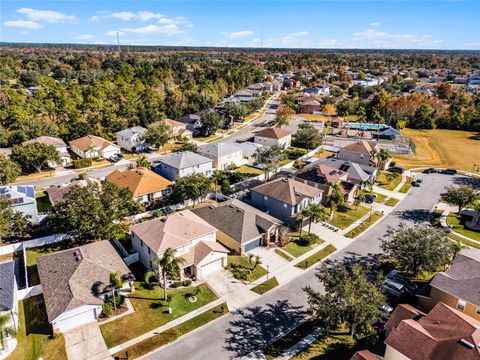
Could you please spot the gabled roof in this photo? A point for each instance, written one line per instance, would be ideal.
(139, 181)
(132, 131)
(355, 171)
(219, 150)
(362, 146)
(7, 285)
(287, 191)
(322, 173)
(49, 140)
(172, 231)
(184, 159)
(273, 133)
(91, 142)
(78, 276)
(57, 193)
(174, 123)
(403, 312)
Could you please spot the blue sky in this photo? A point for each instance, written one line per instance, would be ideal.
(290, 24)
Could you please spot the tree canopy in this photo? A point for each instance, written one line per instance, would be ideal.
(307, 137)
(35, 156)
(9, 170)
(192, 187)
(460, 196)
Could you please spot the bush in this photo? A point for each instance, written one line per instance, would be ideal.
(119, 300)
(308, 239)
(177, 284)
(82, 163)
(107, 309)
(187, 282)
(294, 154)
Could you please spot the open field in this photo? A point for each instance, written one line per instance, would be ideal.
(442, 148)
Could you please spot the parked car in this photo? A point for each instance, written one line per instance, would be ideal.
(396, 169)
(429, 171)
(417, 183)
(114, 159)
(448, 171)
(397, 276)
(396, 289)
(369, 199)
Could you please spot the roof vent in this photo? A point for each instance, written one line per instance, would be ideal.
(467, 344)
(436, 321)
(231, 206)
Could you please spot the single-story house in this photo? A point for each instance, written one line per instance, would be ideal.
(225, 155)
(23, 200)
(192, 238)
(8, 306)
(241, 227)
(57, 193)
(144, 184)
(58, 144)
(76, 282)
(180, 164)
(273, 136)
(284, 197)
(131, 139)
(92, 146)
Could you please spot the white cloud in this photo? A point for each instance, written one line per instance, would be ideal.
(26, 24)
(327, 43)
(84, 37)
(372, 34)
(114, 33)
(238, 34)
(296, 39)
(176, 20)
(95, 18)
(124, 15)
(45, 15)
(381, 39)
(170, 29)
(148, 15)
(376, 23)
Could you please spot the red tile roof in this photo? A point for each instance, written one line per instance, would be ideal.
(273, 133)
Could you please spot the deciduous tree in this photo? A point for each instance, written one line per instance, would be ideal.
(158, 134)
(460, 196)
(307, 137)
(192, 187)
(35, 156)
(9, 170)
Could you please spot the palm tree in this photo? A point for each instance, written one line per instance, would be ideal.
(368, 184)
(168, 265)
(382, 156)
(300, 216)
(258, 261)
(317, 212)
(3, 321)
(358, 200)
(115, 283)
(336, 198)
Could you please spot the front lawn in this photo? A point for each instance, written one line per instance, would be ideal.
(315, 258)
(151, 311)
(239, 265)
(458, 225)
(388, 180)
(156, 341)
(378, 197)
(265, 286)
(392, 202)
(34, 333)
(345, 216)
(296, 249)
(299, 246)
(283, 254)
(407, 186)
(364, 225)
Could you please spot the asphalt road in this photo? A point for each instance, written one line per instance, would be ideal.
(247, 330)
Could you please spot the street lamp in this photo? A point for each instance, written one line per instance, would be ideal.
(268, 271)
(371, 211)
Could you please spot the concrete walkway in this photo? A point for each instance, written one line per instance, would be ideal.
(166, 326)
(443, 221)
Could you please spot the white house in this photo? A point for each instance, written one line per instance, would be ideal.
(273, 136)
(58, 143)
(8, 307)
(180, 164)
(192, 238)
(76, 281)
(23, 200)
(249, 148)
(131, 139)
(225, 155)
(92, 146)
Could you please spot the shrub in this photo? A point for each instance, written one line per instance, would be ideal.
(187, 282)
(107, 309)
(82, 163)
(119, 300)
(176, 284)
(295, 153)
(308, 239)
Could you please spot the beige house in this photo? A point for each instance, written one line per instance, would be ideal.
(179, 130)
(360, 152)
(273, 136)
(225, 155)
(92, 146)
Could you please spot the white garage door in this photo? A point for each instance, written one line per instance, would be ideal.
(77, 320)
(213, 266)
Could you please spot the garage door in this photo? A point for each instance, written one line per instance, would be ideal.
(213, 266)
(77, 320)
(252, 245)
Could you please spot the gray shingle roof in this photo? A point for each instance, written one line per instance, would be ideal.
(219, 150)
(185, 159)
(132, 131)
(355, 171)
(7, 285)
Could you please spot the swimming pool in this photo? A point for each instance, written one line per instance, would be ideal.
(364, 126)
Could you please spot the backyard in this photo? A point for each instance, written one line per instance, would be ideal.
(242, 266)
(248, 170)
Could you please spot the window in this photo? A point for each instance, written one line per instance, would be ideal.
(141, 243)
(461, 305)
(148, 250)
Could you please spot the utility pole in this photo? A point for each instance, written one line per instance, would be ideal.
(118, 43)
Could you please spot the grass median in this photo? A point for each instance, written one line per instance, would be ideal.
(315, 258)
(364, 225)
(265, 286)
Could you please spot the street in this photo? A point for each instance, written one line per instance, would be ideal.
(249, 329)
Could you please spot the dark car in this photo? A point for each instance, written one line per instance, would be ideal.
(417, 183)
(114, 159)
(369, 199)
(397, 276)
(429, 171)
(396, 169)
(448, 171)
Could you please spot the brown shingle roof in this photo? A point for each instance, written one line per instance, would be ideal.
(273, 133)
(139, 181)
(69, 277)
(362, 146)
(403, 312)
(321, 170)
(288, 191)
(57, 193)
(49, 140)
(90, 142)
(364, 355)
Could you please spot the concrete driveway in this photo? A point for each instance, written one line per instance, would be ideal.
(232, 290)
(86, 342)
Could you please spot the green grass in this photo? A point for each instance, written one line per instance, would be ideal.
(33, 336)
(151, 311)
(388, 180)
(363, 226)
(156, 341)
(392, 202)
(407, 186)
(458, 225)
(334, 346)
(343, 218)
(43, 203)
(249, 170)
(436, 222)
(283, 255)
(319, 255)
(378, 197)
(244, 263)
(265, 286)
(295, 249)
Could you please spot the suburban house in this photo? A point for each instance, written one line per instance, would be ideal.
(225, 155)
(457, 287)
(144, 184)
(57, 193)
(7, 152)
(249, 148)
(58, 144)
(273, 136)
(192, 238)
(245, 95)
(284, 197)
(76, 281)
(310, 105)
(180, 164)
(131, 139)
(323, 176)
(192, 121)
(8, 305)
(92, 146)
(356, 173)
(318, 90)
(241, 227)
(22, 199)
(361, 152)
(179, 130)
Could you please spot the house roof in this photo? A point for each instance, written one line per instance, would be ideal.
(19, 194)
(249, 148)
(287, 191)
(7, 285)
(91, 142)
(444, 333)
(355, 171)
(174, 123)
(403, 312)
(364, 355)
(172, 231)
(219, 150)
(6, 151)
(132, 131)
(273, 133)
(57, 193)
(139, 181)
(190, 118)
(362, 146)
(49, 140)
(238, 220)
(322, 173)
(184, 159)
(461, 279)
(69, 277)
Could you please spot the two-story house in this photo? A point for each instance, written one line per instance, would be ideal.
(273, 136)
(131, 139)
(360, 152)
(180, 164)
(180, 132)
(22, 199)
(225, 155)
